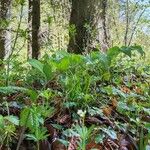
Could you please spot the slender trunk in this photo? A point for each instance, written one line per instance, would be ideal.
(29, 50)
(135, 27)
(127, 23)
(35, 28)
(4, 34)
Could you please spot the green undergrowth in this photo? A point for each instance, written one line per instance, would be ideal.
(113, 86)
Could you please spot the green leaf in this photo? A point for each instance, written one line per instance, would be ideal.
(75, 59)
(64, 142)
(12, 89)
(99, 138)
(57, 126)
(106, 76)
(112, 53)
(47, 71)
(39, 134)
(21, 2)
(69, 104)
(24, 117)
(13, 119)
(46, 94)
(126, 50)
(1, 121)
(147, 126)
(36, 64)
(31, 137)
(100, 59)
(33, 94)
(64, 64)
(138, 49)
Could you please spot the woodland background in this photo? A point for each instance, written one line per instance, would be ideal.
(74, 74)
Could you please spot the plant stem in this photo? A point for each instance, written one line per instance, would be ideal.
(21, 138)
(22, 133)
(38, 145)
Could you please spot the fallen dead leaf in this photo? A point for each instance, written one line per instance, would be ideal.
(108, 110)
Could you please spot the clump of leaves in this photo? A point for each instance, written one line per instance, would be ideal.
(8, 129)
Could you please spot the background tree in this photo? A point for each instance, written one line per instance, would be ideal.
(128, 20)
(4, 22)
(29, 47)
(34, 5)
(81, 22)
(88, 21)
(92, 24)
(103, 28)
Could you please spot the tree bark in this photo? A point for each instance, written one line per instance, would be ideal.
(35, 11)
(82, 18)
(104, 37)
(29, 50)
(127, 23)
(4, 23)
(89, 21)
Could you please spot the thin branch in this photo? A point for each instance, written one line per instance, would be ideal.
(135, 27)
(127, 23)
(15, 42)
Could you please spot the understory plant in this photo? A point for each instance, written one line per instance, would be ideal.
(101, 84)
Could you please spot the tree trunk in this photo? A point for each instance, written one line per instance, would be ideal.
(127, 23)
(34, 5)
(103, 36)
(4, 33)
(29, 50)
(87, 25)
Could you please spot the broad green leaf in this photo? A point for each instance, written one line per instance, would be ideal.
(46, 94)
(75, 59)
(112, 53)
(36, 64)
(64, 64)
(138, 49)
(13, 119)
(126, 50)
(47, 71)
(101, 60)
